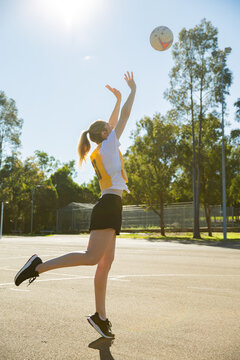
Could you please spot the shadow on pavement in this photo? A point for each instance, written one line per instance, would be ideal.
(235, 244)
(103, 345)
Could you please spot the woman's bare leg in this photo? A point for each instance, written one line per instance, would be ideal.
(101, 277)
(98, 243)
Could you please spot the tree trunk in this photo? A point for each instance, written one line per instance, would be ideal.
(162, 219)
(208, 218)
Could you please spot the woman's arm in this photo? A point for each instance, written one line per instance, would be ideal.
(114, 117)
(127, 107)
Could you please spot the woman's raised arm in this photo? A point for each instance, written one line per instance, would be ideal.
(114, 117)
(127, 107)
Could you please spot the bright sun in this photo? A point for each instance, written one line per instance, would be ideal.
(67, 14)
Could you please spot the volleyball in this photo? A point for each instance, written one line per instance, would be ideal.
(161, 38)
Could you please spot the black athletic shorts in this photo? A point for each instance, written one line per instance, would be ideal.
(107, 213)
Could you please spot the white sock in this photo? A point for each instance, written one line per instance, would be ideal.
(101, 318)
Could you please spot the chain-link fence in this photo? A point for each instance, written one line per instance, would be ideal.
(75, 217)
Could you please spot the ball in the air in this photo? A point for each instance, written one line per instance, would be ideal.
(161, 38)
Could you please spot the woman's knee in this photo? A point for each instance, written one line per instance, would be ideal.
(105, 263)
(92, 259)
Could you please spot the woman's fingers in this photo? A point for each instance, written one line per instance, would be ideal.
(116, 92)
(110, 88)
(128, 76)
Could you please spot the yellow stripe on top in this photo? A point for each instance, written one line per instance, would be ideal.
(104, 178)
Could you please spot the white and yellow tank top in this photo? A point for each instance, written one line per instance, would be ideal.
(107, 161)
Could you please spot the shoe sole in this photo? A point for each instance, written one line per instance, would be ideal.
(97, 328)
(28, 263)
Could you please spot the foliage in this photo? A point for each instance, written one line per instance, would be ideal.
(237, 114)
(69, 191)
(10, 126)
(233, 174)
(198, 82)
(18, 179)
(23, 181)
(150, 163)
(94, 187)
(48, 164)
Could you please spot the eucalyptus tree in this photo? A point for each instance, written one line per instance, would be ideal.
(150, 163)
(10, 127)
(210, 166)
(237, 113)
(233, 169)
(48, 164)
(195, 89)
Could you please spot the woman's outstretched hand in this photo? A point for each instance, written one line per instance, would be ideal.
(115, 92)
(130, 81)
(127, 107)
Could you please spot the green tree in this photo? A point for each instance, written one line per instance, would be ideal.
(87, 195)
(237, 106)
(195, 89)
(19, 180)
(48, 164)
(211, 167)
(10, 126)
(233, 169)
(150, 163)
(211, 178)
(94, 187)
(68, 191)
(234, 191)
(181, 188)
(45, 200)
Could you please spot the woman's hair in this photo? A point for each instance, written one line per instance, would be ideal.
(95, 135)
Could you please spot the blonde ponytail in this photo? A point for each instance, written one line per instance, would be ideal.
(83, 147)
(95, 135)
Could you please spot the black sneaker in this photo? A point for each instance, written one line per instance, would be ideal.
(102, 326)
(28, 271)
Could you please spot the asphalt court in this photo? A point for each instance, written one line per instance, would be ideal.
(166, 301)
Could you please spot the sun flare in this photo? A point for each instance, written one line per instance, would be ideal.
(67, 14)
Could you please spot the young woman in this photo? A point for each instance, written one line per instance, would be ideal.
(106, 215)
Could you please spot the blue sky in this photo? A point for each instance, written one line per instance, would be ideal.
(58, 55)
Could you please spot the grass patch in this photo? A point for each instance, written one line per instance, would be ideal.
(232, 236)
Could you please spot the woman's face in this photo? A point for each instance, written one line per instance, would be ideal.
(106, 131)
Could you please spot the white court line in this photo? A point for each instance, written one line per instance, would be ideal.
(11, 283)
(211, 289)
(120, 277)
(19, 289)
